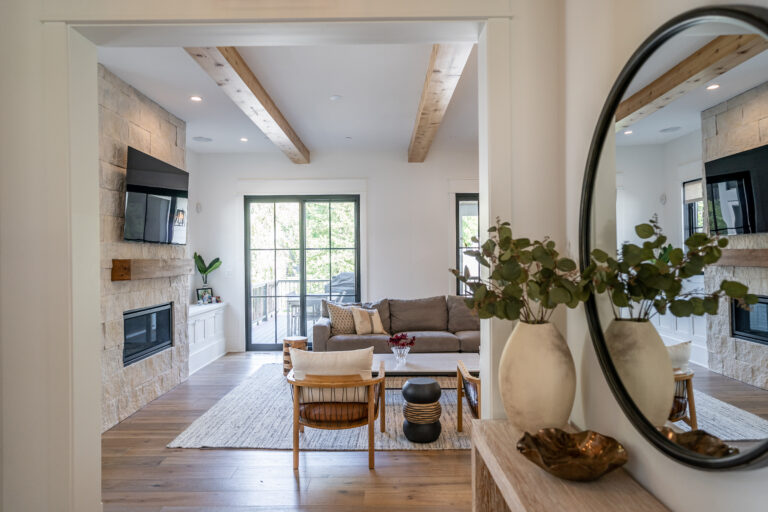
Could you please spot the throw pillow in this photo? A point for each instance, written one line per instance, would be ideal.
(342, 321)
(367, 321)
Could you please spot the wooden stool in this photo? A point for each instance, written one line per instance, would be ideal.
(290, 342)
(686, 377)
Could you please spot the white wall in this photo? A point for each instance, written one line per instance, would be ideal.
(407, 217)
(599, 39)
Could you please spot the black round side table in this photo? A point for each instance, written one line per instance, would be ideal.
(421, 410)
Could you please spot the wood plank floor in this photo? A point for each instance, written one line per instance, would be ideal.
(748, 398)
(140, 474)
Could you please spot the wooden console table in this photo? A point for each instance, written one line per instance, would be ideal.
(504, 480)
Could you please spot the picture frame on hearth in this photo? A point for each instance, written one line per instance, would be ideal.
(205, 295)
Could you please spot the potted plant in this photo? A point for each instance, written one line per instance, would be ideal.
(206, 269)
(401, 344)
(528, 280)
(644, 281)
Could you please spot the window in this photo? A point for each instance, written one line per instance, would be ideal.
(299, 250)
(467, 226)
(693, 207)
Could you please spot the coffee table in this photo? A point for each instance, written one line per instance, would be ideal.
(428, 363)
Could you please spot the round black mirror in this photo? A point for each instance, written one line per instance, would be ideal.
(681, 150)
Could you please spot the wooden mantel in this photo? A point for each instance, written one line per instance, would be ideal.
(744, 258)
(131, 270)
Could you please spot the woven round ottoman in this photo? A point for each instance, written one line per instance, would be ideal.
(421, 410)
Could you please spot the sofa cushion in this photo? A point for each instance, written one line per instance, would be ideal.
(434, 341)
(430, 314)
(460, 317)
(381, 306)
(469, 341)
(357, 341)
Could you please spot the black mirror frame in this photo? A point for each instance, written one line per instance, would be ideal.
(757, 17)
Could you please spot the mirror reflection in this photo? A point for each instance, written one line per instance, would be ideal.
(688, 157)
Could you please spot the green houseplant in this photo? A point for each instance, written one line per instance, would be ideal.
(646, 280)
(204, 269)
(527, 280)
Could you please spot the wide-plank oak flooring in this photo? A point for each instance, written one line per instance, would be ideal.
(140, 474)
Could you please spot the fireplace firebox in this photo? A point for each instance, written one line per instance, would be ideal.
(751, 325)
(146, 332)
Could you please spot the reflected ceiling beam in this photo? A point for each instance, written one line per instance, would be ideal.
(230, 72)
(710, 61)
(445, 67)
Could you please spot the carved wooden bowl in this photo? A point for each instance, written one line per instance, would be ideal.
(582, 456)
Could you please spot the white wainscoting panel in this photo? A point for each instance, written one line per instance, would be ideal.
(205, 327)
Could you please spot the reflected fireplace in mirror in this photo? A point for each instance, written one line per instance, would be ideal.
(751, 325)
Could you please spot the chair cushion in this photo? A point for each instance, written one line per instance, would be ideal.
(469, 341)
(430, 314)
(358, 341)
(460, 317)
(434, 341)
(348, 362)
(342, 320)
(381, 306)
(333, 411)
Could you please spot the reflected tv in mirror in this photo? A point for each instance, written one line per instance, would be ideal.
(737, 193)
(155, 200)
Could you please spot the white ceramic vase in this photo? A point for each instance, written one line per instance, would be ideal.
(642, 361)
(537, 377)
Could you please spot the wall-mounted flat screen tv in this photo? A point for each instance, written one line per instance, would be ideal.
(155, 200)
(737, 193)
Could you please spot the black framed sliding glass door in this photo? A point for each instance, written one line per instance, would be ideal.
(298, 251)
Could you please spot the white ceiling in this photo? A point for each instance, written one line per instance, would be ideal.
(379, 85)
(685, 112)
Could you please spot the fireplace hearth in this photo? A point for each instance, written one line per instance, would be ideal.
(751, 325)
(147, 331)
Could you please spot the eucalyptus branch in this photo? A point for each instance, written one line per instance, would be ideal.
(527, 279)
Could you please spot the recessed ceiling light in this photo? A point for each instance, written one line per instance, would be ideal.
(627, 132)
(348, 137)
(669, 129)
(335, 97)
(713, 87)
(243, 139)
(201, 139)
(195, 98)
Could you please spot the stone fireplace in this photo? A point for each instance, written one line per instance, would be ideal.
(736, 125)
(128, 118)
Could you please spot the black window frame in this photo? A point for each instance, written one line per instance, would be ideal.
(302, 200)
(464, 196)
(689, 210)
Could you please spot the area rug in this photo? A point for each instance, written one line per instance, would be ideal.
(258, 413)
(726, 421)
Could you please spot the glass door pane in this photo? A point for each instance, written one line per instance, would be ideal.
(275, 271)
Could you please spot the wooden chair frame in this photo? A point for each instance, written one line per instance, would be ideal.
(462, 374)
(340, 382)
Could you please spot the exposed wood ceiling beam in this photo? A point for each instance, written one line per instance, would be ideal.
(711, 60)
(445, 67)
(230, 72)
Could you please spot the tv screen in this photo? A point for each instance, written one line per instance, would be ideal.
(737, 193)
(155, 200)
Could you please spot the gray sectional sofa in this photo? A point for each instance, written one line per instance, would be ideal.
(440, 324)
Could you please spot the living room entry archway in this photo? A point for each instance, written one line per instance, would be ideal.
(299, 250)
